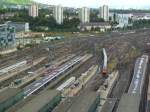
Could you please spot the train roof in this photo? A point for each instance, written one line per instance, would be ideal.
(129, 103)
(138, 75)
(39, 101)
(83, 102)
(8, 93)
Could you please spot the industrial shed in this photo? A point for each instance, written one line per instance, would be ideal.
(9, 97)
(44, 102)
(129, 103)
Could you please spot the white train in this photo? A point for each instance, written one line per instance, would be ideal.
(12, 67)
(104, 67)
(66, 84)
(36, 85)
(139, 75)
(139, 81)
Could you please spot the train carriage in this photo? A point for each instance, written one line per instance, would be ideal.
(137, 92)
(104, 66)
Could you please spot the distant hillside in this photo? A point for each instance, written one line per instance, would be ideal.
(15, 2)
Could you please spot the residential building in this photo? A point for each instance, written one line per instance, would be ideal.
(104, 12)
(34, 10)
(7, 37)
(58, 14)
(84, 15)
(102, 26)
(19, 26)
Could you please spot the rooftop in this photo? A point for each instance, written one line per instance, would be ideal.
(141, 14)
(10, 22)
(95, 24)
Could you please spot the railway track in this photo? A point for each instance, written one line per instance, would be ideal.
(118, 42)
(34, 68)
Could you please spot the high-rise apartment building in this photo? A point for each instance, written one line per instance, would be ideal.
(104, 12)
(33, 10)
(84, 15)
(58, 14)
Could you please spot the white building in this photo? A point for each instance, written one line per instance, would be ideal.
(102, 26)
(84, 15)
(58, 14)
(104, 12)
(34, 10)
(123, 19)
(19, 26)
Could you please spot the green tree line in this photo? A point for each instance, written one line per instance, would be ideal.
(43, 23)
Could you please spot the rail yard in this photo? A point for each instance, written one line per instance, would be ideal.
(100, 73)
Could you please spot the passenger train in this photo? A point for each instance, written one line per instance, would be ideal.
(137, 92)
(104, 66)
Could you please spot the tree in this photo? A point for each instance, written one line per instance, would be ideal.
(92, 28)
(41, 22)
(130, 20)
(114, 17)
(94, 17)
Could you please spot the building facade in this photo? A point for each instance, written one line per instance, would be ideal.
(19, 26)
(104, 12)
(58, 14)
(101, 26)
(84, 15)
(123, 20)
(7, 37)
(33, 10)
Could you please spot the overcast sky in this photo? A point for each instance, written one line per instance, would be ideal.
(96, 3)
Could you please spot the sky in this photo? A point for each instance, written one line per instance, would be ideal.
(123, 4)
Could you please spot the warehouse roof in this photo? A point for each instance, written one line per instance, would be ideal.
(129, 103)
(39, 101)
(109, 105)
(8, 93)
(83, 102)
